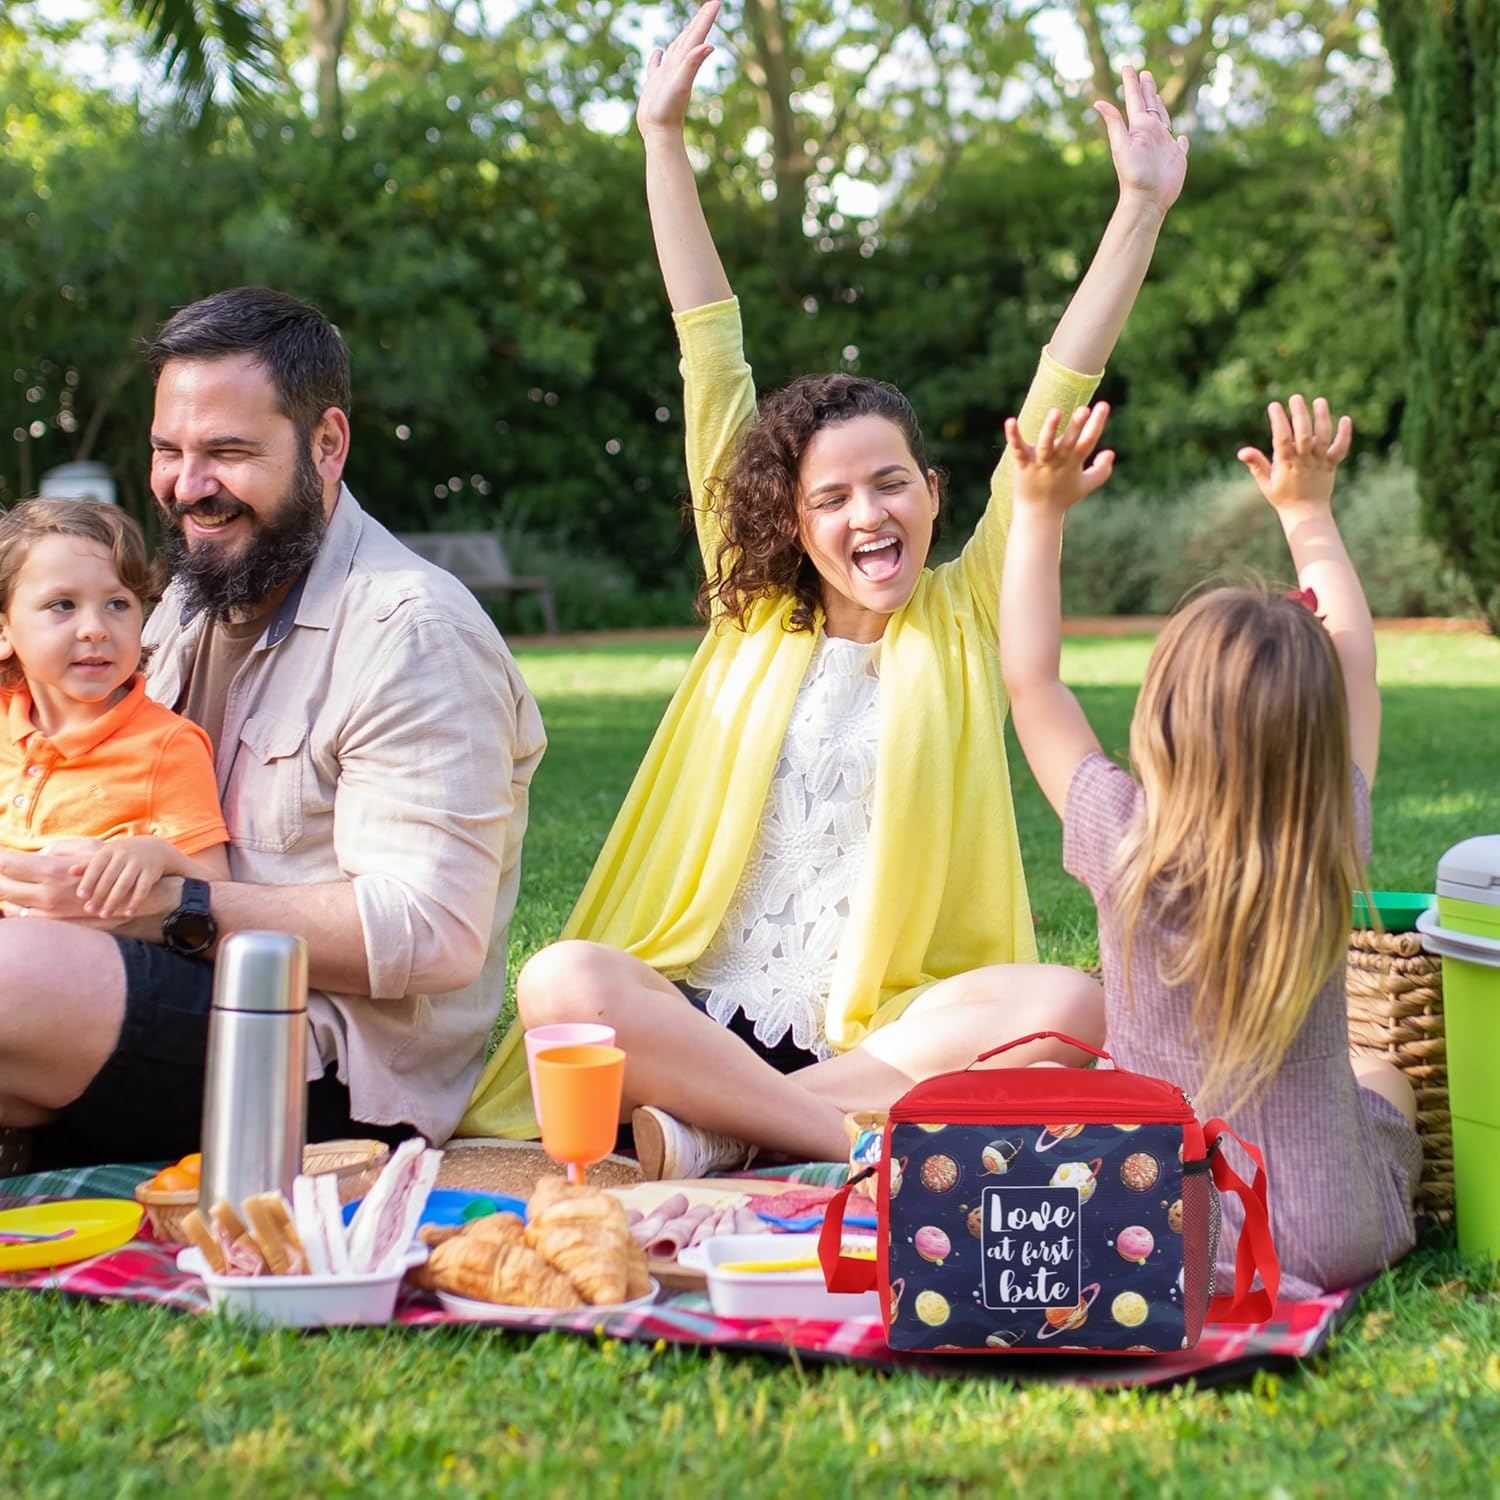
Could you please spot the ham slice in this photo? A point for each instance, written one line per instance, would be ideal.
(677, 1233)
(667, 1210)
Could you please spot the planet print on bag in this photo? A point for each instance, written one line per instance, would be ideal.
(1055, 1135)
(1004, 1338)
(1129, 1309)
(898, 1173)
(939, 1174)
(1174, 1217)
(898, 1286)
(1139, 1171)
(1135, 1242)
(932, 1244)
(1082, 1175)
(1066, 1319)
(932, 1129)
(996, 1158)
(975, 1221)
(932, 1308)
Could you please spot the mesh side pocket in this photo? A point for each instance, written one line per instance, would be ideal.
(1200, 1243)
(1215, 1228)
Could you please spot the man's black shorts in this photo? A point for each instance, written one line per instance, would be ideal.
(146, 1102)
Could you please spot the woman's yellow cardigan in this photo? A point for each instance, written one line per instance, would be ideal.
(942, 890)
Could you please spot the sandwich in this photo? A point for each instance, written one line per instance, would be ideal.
(309, 1234)
(196, 1228)
(320, 1224)
(385, 1223)
(242, 1256)
(275, 1233)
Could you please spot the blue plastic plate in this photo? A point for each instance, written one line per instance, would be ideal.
(447, 1205)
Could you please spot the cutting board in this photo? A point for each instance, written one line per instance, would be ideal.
(646, 1195)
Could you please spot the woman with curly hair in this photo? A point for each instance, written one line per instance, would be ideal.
(813, 895)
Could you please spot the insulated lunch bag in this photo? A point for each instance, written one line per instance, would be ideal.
(1053, 1209)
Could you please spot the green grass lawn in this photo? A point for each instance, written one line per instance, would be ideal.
(100, 1399)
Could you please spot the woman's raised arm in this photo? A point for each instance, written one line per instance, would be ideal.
(1150, 163)
(690, 264)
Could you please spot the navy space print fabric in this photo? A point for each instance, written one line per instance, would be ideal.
(1048, 1236)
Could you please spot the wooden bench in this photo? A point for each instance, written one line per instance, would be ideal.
(477, 559)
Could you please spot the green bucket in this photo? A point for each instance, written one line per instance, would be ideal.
(1465, 932)
(1397, 911)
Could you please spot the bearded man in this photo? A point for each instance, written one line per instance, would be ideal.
(374, 744)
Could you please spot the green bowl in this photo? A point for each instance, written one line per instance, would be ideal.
(1398, 910)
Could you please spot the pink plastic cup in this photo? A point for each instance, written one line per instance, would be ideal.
(565, 1034)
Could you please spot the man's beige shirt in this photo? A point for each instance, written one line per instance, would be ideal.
(380, 733)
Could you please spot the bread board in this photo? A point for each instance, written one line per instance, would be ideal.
(646, 1195)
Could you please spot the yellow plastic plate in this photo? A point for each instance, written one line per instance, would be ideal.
(98, 1224)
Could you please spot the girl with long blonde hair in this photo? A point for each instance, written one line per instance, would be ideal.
(1223, 874)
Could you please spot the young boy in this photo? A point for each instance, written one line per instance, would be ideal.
(87, 761)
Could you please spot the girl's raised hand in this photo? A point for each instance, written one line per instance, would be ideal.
(1306, 450)
(1150, 161)
(1055, 474)
(663, 104)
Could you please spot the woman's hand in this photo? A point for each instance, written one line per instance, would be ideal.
(663, 104)
(1149, 160)
(1055, 474)
(1306, 450)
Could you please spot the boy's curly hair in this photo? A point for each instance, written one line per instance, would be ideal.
(760, 555)
(91, 520)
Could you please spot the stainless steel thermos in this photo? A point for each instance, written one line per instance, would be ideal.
(255, 1087)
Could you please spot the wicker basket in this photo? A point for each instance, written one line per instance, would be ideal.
(1396, 1013)
(356, 1165)
(166, 1211)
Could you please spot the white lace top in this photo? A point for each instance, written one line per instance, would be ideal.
(774, 952)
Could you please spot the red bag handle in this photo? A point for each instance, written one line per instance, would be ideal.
(843, 1273)
(1256, 1251)
(1038, 1036)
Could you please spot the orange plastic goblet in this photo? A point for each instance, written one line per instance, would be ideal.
(579, 1091)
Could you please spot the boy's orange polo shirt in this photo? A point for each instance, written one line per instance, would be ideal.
(137, 769)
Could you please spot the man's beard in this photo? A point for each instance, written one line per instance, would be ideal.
(232, 585)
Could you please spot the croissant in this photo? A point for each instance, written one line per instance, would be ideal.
(499, 1229)
(588, 1239)
(552, 1189)
(493, 1269)
(496, 1227)
(637, 1272)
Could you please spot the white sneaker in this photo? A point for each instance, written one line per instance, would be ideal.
(668, 1149)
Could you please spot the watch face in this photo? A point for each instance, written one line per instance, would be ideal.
(191, 931)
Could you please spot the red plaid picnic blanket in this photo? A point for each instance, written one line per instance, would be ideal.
(146, 1271)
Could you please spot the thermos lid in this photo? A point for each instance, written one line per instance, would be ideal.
(261, 971)
(1470, 871)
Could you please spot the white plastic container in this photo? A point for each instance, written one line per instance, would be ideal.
(302, 1301)
(775, 1294)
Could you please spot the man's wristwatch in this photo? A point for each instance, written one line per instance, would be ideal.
(191, 930)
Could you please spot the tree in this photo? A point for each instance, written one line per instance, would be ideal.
(1271, 57)
(209, 48)
(1447, 64)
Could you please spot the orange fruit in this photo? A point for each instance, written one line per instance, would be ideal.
(174, 1180)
